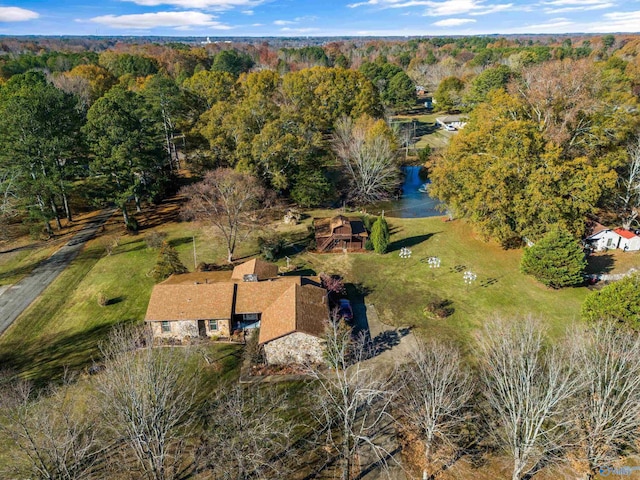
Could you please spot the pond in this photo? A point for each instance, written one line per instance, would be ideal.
(413, 203)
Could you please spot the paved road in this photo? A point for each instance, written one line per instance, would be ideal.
(17, 298)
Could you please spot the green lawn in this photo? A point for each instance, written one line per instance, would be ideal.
(18, 262)
(399, 287)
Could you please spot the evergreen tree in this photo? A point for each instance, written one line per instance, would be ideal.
(125, 139)
(168, 263)
(619, 301)
(556, 260)
(380, 235)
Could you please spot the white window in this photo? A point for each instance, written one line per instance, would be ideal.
(213, 325)
(166, 326)
(250, 317)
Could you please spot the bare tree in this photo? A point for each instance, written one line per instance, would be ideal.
(368, 160)
(146, 397)
(527, 386)
(436, 388)
(230, 201)
(247, 434)
(353, 399)
(54, 436)
(607, 407)
(628, 197)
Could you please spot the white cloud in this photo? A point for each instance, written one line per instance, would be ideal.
(599, 6)
(443, 8)
(247, 12)
(201, 4)
(552, 26)
(453, 22)
(283, 22)
(177, 20)
(493, 9)
(16, 14)
(299, 30)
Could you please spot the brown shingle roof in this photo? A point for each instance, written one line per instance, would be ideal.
(255, 297)
(190, 302)
(258, 267)
(324, 227)
(300, 308)
(198, 277)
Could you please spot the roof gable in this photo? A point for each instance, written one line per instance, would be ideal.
(301, 308)
(190, 302)
(262, 269)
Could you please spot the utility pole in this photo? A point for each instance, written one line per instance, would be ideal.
(195, 259)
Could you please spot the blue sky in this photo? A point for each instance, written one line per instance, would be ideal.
(315, 17)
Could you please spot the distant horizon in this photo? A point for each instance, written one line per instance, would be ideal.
(328, 18)
(296, 37)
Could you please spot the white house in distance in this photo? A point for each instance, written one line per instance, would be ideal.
(452, 122)
(603, 238)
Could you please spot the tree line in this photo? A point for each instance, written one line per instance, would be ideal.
(148, 413)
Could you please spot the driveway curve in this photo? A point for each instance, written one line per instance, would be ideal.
(15, 299)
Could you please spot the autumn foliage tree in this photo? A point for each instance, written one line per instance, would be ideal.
(510, 181)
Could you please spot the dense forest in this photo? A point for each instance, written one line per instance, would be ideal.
(553, 122)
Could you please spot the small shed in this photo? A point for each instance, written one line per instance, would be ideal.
(629, 241)
(602, 238)
(340, 234)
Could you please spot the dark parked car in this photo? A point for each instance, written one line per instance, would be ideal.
(344, 310)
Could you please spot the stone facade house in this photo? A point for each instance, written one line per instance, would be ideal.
(291, 311)
(340, 234)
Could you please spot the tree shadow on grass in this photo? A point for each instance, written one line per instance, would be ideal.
(45, 358)
(601, 263)
(409, 242)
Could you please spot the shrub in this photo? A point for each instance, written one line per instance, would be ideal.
(155, 239)
(380, 235)
(368, 221)
(556, 261)
(368, 245)
(103, 301)
(168, 263)
(438, 307)
(271, 246)
(333, 284)
(254, 350)
(618, 301)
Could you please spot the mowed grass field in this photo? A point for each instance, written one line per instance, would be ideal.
(65, 325)
(400, 288)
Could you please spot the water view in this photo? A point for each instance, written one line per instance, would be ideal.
(414, 202)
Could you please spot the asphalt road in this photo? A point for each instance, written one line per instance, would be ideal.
(18, 297)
